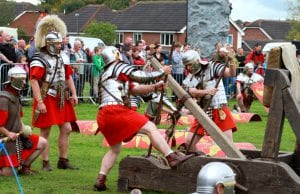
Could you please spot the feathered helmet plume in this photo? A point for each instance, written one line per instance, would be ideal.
(50, 23)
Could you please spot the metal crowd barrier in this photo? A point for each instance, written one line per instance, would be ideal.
(83, 81)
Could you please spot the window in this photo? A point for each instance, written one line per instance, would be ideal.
(137, 36)
(120, 37)
(166, 38)
(230, 39)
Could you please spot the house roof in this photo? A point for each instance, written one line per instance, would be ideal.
(157, 16)
(248, 45)
(276, 29)
(85, 15)
(21, 7)
(236, 26)
(27, 21)
(143, 16)
(153, 16)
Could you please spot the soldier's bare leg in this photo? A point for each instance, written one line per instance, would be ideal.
(45, 133)
(195, 141)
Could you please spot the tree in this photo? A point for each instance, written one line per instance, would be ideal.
(53, 6)
(117, 4)
(69, 6)
(102, 30)
(22, 33)
(7, 10)
(294, 9)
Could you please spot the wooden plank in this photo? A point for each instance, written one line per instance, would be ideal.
(274, 127)
(274, 61)
(275, 121)
(292, 111)
(214, 131)
(259, 177)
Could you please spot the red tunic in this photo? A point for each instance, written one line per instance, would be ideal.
(54, 115)
(224, 125)
(119, 123)
(25, 153)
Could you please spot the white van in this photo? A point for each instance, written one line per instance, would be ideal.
(89, 42)
(11, 31)
(271, 45)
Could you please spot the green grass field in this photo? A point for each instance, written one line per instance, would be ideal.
(86, 152)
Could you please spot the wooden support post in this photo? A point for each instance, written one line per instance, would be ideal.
(292, 111)
(274, 127)
(282, 104)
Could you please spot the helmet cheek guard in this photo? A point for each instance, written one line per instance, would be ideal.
(53, 39)
(192, 58)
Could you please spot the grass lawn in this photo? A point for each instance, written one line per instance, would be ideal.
(86, 152)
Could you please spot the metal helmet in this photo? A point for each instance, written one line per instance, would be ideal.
(16, 78)
(52, 40)
(193, 58)
(110, 54)
(248, 68)
(215, 173)
(249, 65)
(50, 30)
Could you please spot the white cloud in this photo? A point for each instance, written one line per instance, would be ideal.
(259, 9)
(35, 2)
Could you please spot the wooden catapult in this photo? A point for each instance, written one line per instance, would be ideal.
(268, 171)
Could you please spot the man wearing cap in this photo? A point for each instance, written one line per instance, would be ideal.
(222, 56)
(244, 94)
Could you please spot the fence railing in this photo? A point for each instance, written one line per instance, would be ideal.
(85, 82)
(82, 77)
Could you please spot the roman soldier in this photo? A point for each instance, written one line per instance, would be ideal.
(244, 93)
(117, 121)
(216, 178)
(52, 84)
(204, 83)
(22, 146)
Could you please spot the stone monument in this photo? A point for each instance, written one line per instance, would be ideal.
(207, 24)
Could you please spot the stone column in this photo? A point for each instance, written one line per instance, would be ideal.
(208, 23)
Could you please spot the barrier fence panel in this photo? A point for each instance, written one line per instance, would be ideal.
(86, 83)
(82, 77)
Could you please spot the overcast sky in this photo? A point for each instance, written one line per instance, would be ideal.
(250, 10)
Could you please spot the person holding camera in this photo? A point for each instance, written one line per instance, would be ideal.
(22, 147)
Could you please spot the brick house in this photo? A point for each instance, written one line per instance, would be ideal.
(27, 21)
(264, 31)
(157, 21)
